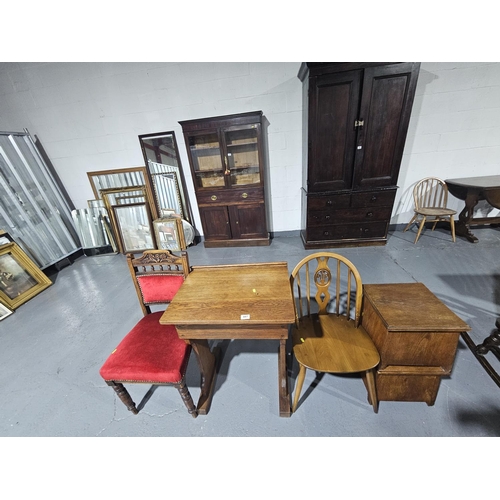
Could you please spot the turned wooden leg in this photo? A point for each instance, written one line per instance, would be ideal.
(124, 396)
(186, 397)
(300, 382)
(420, 229)
(410, 223)
(372, 389)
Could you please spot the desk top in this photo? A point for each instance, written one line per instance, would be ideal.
(487, 181)
(240, 294)
(412, 307)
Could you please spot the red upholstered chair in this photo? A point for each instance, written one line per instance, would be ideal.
(152, 353)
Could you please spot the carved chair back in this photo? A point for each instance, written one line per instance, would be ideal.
(157, 276)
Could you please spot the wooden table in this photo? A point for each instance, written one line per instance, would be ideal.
(243, 301)
(417, 337)
(472, 190)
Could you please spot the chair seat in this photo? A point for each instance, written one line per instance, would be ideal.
(149, 353)
(435, 212)
(331, 343)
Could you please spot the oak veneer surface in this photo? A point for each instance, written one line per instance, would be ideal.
(412, 307)
(218, 295)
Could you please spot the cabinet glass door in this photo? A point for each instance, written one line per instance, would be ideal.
(242, 155)
(207, 160)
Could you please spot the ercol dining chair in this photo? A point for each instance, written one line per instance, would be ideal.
(327, 335)
(430, 196)
(152, 353)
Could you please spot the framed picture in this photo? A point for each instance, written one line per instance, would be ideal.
(169, 234)
(4, 311)
(20, 278)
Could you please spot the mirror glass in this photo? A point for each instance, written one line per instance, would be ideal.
(165, 171)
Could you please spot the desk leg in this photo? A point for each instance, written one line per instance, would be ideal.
(462, 227)
(207, 362)
(284, 394)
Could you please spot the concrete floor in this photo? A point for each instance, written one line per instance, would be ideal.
(52, 347)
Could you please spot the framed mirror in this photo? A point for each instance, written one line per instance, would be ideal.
(164, 169)
(130, 217)
(123, 178)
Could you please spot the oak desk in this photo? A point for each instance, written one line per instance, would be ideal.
(242, 301)
(417, 337)
(472, 190)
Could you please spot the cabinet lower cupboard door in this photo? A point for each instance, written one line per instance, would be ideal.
(227, 166)
(248, 221)
(215, 221)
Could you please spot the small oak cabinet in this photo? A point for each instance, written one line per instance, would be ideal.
(227, 166)
(355, 120)
(417, 337)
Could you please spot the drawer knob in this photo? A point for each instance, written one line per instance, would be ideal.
(373, 198)
(244, 195)
(329, 202)
(326, 233)
(327, 217)
(369, 214)
(213, 197)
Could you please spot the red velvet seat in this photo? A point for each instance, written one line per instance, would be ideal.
(152, 353)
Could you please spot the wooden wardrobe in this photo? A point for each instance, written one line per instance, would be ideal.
(355, 121)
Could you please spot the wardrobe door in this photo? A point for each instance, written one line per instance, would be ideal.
(333, 109)
(387, 97)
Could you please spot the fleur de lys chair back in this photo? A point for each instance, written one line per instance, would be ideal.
(328, 336)
(152, 353)
(430, 196)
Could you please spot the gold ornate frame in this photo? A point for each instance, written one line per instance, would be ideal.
(20, 278)
(171, 226)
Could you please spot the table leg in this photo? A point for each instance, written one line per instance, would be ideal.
(207, 362)
(462, 227)
(284, 394)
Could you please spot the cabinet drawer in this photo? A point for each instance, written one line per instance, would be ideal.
(229, 196)
(323, 202)
(329, 217)
(348, 231)
(373, 198)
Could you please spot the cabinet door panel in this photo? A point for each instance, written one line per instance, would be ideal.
(215, 222)
(333, 107)
(248, 221)
(387, 97)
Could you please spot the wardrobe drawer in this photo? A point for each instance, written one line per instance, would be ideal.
(373, 198)
(328, 217)
(348, 231)
(324, 202)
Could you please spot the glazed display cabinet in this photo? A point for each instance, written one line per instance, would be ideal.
(227, 166)
(355, 121)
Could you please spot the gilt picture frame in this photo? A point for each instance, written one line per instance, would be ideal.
(20, 278)
(169, 234)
